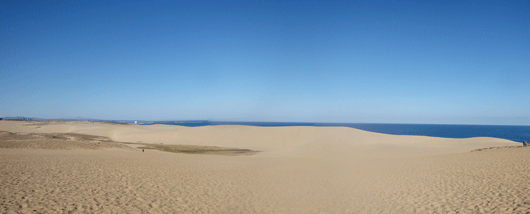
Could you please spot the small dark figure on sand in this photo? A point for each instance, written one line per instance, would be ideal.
(524, 143)
(143, 149)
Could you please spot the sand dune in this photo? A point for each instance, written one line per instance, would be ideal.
(300, 170)
(322, 142)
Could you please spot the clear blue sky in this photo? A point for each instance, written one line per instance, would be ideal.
(451, 62)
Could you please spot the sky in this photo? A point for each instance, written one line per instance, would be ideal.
(434, 62)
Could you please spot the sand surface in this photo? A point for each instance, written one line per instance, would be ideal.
(299, 170)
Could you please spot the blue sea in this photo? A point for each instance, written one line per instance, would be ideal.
(514, 133)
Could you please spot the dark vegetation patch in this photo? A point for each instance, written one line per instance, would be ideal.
(499, 147)
(192, 149)
(55, 141)
(81, 141)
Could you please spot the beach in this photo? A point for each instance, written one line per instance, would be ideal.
(79, 166)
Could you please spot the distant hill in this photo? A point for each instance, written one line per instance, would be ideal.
(21, 118)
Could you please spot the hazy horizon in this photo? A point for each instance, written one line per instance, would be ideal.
(486, 121)
(438, 62)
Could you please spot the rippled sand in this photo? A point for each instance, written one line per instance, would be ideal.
(300, 170)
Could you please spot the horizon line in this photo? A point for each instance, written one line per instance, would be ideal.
(240, 121)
